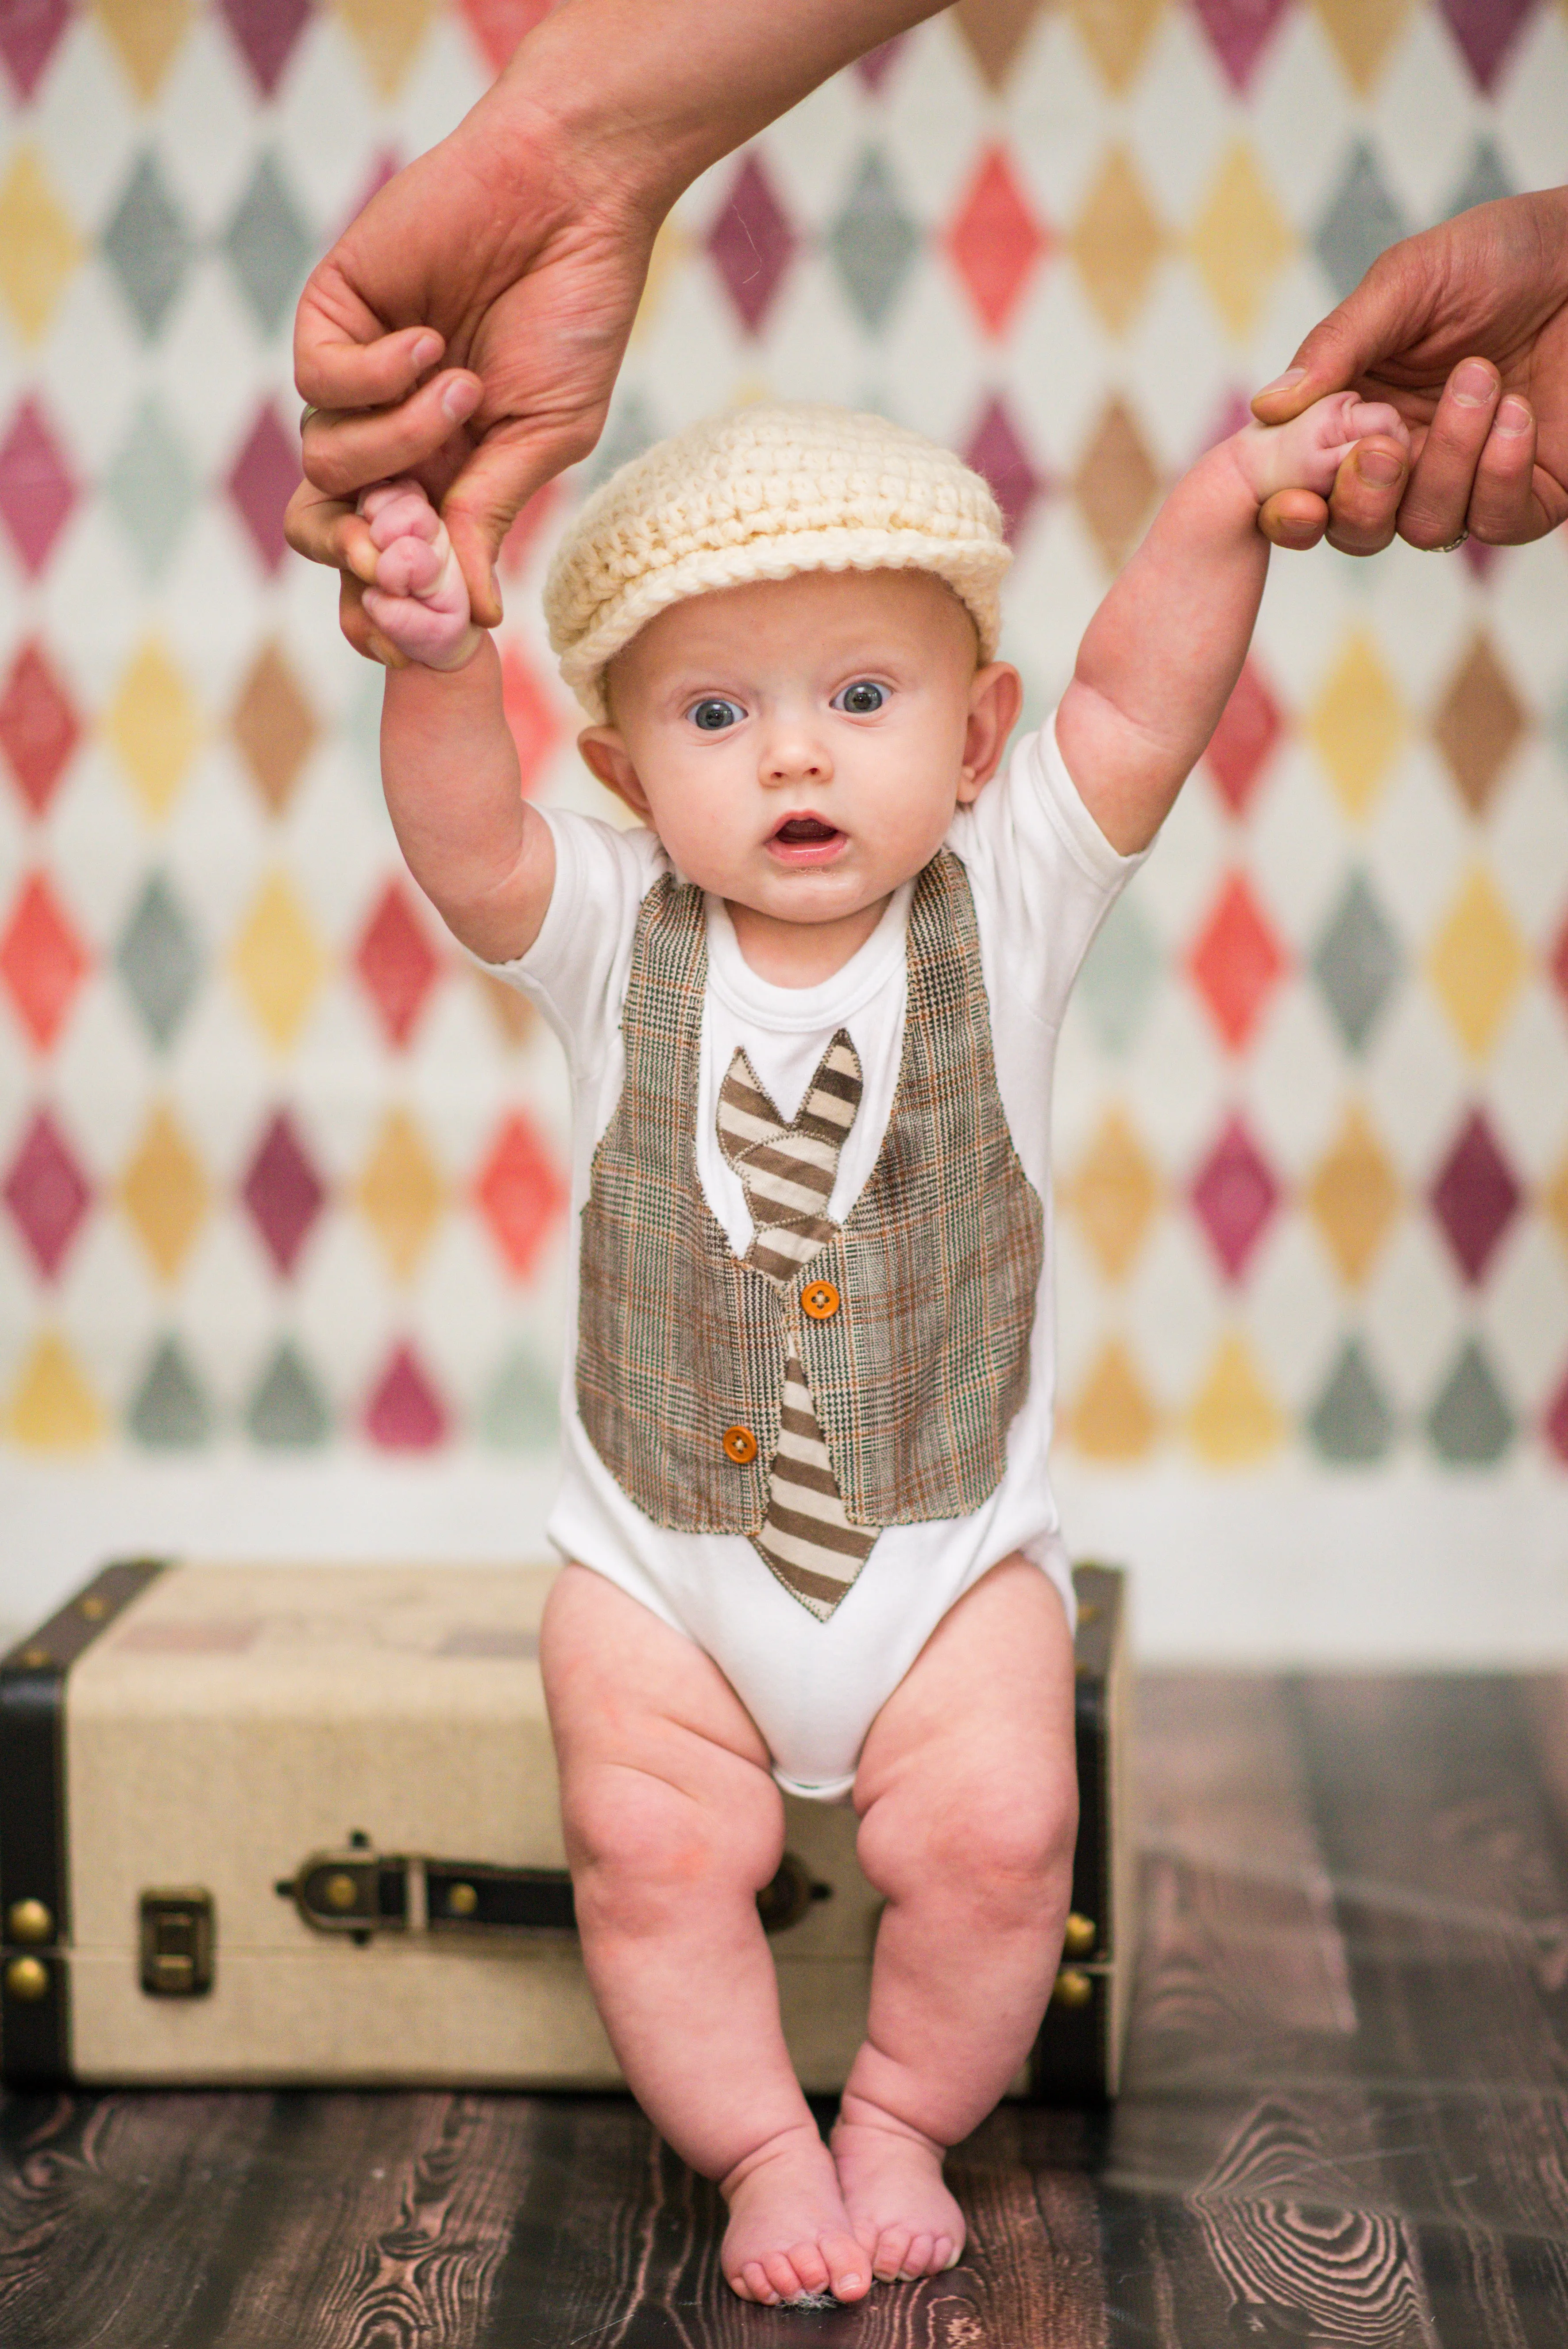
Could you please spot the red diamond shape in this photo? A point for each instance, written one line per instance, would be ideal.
(1235, 1195)
(38, 728)
(522, 1193)
(875, 66)
(397, 963)
(751, 242)
(1239, 31)
(997, 453)
(518, 544)
(1475, 1197)
(529, 713)
(263, 477)
(37, 490)
(405, 1413)
(996, 240)
(283, 1193)
(47, 1194)
(42, 961)
(29, 30)
(1484, 30)
(1250, 725)
(498, 25)
(1236, 962)
(265, 32)
(1233, 416)
(1556, 1421)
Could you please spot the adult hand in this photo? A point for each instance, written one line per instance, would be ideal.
(466, 329)
(1465, 330)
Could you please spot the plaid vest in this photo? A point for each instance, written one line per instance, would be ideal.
(918, 1375)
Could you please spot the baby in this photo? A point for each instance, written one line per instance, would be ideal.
(809, 1003)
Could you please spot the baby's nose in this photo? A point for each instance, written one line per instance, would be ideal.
(789, 757)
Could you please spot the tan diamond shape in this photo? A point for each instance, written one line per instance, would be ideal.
(1115, 33)
(1240, 241)
(1111, 1417)
(1554, 1200)
(401, 1193)
(1353, 1197)
(1115, 484)
(147, 34)
(40, 247)
(388, 35)
(275, 726)
(1476, 962)
(1362, 33)
(1357, 725)
(276, 962)
(995, 30)
(164, 1192)
(1117, 241)
(1114, 1196)
(1479, 722)
(516, 1020)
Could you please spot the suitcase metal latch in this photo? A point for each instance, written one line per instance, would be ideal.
(177, 1937)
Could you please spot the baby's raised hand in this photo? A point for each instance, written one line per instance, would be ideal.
(419, 601)
(1306, 454)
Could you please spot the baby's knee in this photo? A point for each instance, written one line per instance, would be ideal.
(642, 1845)
(1003, 1849)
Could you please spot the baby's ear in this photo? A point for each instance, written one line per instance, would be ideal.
(606, 754)
(995, 698)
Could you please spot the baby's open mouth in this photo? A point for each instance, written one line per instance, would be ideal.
(799, 831)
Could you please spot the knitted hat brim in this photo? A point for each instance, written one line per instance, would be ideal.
(973, 571)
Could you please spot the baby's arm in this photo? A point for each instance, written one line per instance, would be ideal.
(1161, 656)
(449, 766)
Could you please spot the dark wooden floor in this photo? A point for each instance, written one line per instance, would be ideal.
(1346, 2118)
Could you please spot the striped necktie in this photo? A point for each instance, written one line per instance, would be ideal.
(787, 1172)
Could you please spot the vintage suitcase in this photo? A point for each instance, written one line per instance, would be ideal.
(298, 1824)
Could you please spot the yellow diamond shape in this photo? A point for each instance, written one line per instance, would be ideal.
(147, 34)
(1114, 1195)
(40, 247)
(1555, 1199)
(52, 1407)
(1353, 1197)
(516, 1020)
(276, 962)
(163, 1191)
(152, 723)
(1234, 1419)
(1358, 725)
(388, 35)
(1117, 241)
(1115, 33)
(1476, 962)
(1111, 1416)
(401, 1194)
(1362, 31)
(1240, 241)
(671, 247)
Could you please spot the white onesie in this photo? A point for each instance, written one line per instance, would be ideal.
(1042, 876)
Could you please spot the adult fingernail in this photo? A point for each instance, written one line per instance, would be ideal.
(1513, 417)
(427, 350)
(459, 399)
(1285, 382)
(1474, 385)
(1379, 466)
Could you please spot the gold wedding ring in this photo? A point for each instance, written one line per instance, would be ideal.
(1453, 546)
(305, 416)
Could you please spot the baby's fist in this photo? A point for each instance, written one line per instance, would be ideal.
(1307, 452)
(418, 600)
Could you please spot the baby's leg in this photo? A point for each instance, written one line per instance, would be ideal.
(968, 1800)
(673, 1826)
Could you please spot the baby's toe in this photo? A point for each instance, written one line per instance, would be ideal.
(891, 2252)
(947, 2254)
(849, 2276)
(918, 2258)
(752, 2283)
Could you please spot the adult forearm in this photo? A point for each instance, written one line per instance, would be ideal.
(655, 90)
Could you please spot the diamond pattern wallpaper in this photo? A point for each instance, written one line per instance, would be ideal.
(281, 1175)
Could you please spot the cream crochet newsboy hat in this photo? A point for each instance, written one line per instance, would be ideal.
(762, 493)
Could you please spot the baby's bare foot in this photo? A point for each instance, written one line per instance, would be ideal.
(790, 2234)
(902, 2214)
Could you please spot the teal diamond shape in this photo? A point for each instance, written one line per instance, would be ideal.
(270, 246)
(873, 242)
(171, 1412)
(1120, 975)
(1360, 220)
(159, 960)
(1357, 961)
(148, 246)
(518, 1413)
(150, 488)
(1352, 1424)
(1470, 1423)
(1485, 180)
(288, 1411)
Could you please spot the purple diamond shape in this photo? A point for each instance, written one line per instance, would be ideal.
(47, 1194)
(36, 492)
(873, 67)
(1239, 31)
(997, 453)
(751, 244)
(283, 1193)
(264, 477)
(1485, 31)
(1475, 1196)
(1234, 1197)
(265, 32)
(29, 30)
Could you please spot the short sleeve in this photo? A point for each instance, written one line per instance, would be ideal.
(576, 969)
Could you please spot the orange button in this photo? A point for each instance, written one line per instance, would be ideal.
(820, 1301)
(739, 1444)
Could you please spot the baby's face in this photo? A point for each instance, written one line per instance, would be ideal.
(799, 745)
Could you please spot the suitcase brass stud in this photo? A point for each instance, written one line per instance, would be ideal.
(94, 1608)
(1079, 1935)
(30, 1921)
(28, 1979)
(1074, 1987)
(463, 1900)
(341, 1893)
(36, 1660)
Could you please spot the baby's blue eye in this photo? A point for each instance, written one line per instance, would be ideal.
(861, 699)
(712, 714)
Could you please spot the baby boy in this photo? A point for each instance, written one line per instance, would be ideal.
(809, 1003)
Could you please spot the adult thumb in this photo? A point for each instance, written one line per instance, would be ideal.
(1376, 319)
(485, 499)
